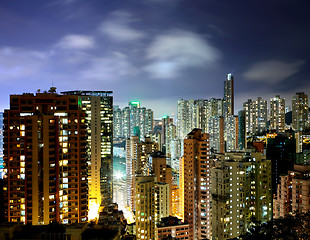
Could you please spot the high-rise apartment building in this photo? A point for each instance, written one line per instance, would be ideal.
(98, 106)
(145, 207)
(216, 126)
(293, 192)
(196, 177)
(231, 132)
(133, 120)
(137, 163)
(229, 95)
(277, 114)
(300, 111)
(117, 122)
(162, 201)
(241, 192)
(45, 159)
(186, 121)
(255, 116)
(163, 173)
(125, 123)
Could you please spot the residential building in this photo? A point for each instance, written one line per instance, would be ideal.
(228, 102)
(300, 111)
(277, 114)
(45, 159)
(293, 192)
(255, 116)
(98, 106)
(145, 207)
(172, 227)
(196, 175)
(241, 193)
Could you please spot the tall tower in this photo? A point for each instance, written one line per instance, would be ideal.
(137, 163)
(300, 111)
(98, 106)
(145, 207)
(197, 184)
(229, 95)
(255, 116)
(277, 114)
(45, 159)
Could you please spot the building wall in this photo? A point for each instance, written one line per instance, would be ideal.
(45, 159)
(197, 184)
(145, 207)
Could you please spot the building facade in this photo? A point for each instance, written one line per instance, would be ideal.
(241, 194)
(277, 114)
(196, 175)
(300, 111)
(98, 106)
(45, 159)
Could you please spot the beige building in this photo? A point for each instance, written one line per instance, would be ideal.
(145, 207)
(241, 193)
(162, 201)
(293, 192)
(163, 173)
(196, 175)
(137, 162)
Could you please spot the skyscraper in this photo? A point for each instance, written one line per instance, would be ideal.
(137, 163)
(231, 132)
(255, 116)
(45, 159)
(197, 184)
(229, 95)
(277, 114)
(241, 192)
(145, 207)
(98, 106)
(300, 111)
(117, 122)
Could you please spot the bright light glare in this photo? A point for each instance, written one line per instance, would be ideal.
(119, 175)
(93, 211)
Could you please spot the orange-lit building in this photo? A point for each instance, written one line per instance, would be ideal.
(293, 192)
(197, 184)
(45, 159)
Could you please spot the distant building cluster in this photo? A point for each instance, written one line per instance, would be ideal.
(207, 174)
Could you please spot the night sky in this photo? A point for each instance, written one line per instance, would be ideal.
(155, 51)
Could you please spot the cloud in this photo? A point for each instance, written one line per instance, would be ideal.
(109, 69)
(118, 27)
(18, 64)
(172, 52)
(272, 71)
(78, 42)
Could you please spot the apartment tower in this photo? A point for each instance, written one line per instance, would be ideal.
(45, 159)
(277, 114)
(98, 106)
(197, 184)
(300, 111)
(229, 95)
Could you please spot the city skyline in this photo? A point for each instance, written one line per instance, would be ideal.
(155, 51)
